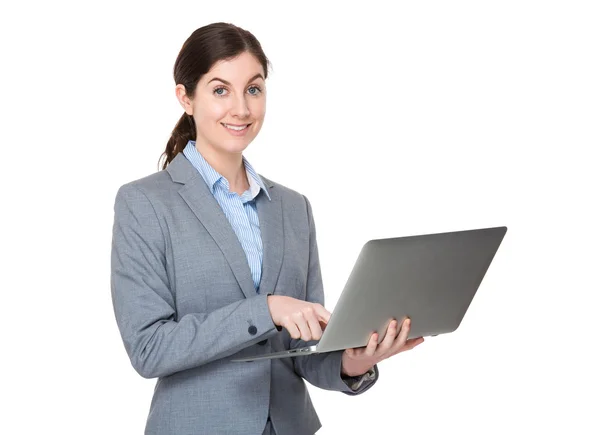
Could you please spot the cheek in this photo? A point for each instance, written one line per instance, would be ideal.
(258, 108)
(213, 113)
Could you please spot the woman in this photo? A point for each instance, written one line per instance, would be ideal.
(211, 261)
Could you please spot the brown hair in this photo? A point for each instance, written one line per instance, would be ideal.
(205, 47)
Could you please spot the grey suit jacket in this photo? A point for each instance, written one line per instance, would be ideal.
(185, 304)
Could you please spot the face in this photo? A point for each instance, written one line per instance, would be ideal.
(229, 104)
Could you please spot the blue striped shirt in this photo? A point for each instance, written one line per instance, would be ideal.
(240, 210)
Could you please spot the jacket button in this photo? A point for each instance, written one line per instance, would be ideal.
(262, 343)
(252, 330)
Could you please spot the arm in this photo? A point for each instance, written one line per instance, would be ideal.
(322, 370)
(144, 305)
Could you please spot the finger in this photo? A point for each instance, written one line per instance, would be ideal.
(401, 339)
(416, 339)
(372, 345)
(314, 326)
(410, 344)
(390, 335)
(322, 313)
(302, 325)
(291, 328)
(414, 342)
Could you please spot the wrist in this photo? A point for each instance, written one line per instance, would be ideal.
(271, 299)
(352, 368)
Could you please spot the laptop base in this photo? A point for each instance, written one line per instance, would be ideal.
(284, 354)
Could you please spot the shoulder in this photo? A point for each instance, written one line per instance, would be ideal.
(152, 187)
(292, 199)
(285, 192)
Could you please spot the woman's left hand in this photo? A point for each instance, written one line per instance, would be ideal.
(358, 361)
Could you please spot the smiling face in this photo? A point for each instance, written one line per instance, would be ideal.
(229, 104)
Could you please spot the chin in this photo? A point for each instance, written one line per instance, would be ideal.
(230, 146)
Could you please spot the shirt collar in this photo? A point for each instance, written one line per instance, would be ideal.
(212, 177)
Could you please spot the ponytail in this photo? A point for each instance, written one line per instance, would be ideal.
(184, 131)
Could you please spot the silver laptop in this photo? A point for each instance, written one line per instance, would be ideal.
(430, 278)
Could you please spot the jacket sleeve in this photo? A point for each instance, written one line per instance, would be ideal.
(144, 306)
(321, 370)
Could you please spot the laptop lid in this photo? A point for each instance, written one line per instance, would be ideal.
(431, 278)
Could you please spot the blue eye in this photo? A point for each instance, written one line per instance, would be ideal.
(221, 91)
(258, 90)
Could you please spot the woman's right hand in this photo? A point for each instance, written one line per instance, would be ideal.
(305, 320)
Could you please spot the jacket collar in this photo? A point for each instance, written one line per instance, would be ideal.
(196, 193)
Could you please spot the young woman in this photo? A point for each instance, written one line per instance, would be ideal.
(212, 261)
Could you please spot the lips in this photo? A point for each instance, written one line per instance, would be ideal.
(238, 130)
(235, 127)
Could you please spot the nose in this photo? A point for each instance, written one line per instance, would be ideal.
(240, 107)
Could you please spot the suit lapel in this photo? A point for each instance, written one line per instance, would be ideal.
(199, 198)
(270, 217)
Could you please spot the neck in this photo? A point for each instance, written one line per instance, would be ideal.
(229, 165)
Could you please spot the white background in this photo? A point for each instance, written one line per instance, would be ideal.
(426, 117)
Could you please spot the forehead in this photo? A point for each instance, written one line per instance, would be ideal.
(238, 69)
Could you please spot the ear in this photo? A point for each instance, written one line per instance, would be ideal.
(183, 99)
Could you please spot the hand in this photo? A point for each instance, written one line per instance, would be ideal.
(358, 361)
(305, 320)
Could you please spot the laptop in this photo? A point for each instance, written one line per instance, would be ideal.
(431, 278)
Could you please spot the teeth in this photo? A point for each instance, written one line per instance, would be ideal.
(232, 127)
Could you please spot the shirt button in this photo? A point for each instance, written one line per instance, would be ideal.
(252, 330)
(262, 343)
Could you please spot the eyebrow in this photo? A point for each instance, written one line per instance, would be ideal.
(259, 75)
